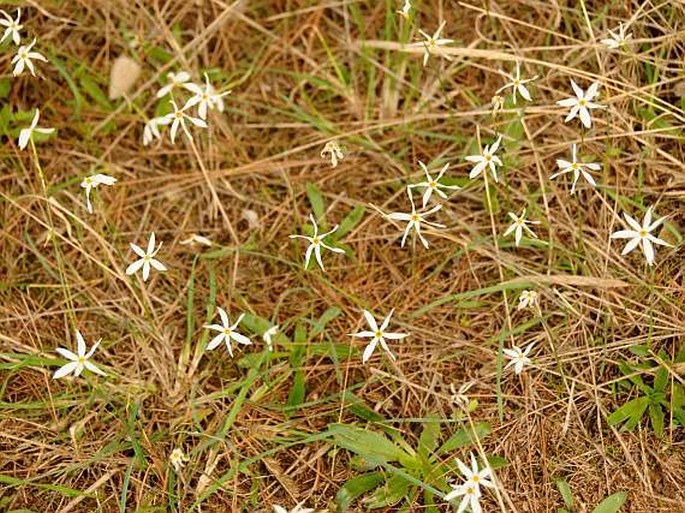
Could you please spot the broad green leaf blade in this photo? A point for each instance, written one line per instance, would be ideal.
(393, 491)
(611, 504)
(630, 413)
(463, 437)
(349, 222)
(373, 446)
(356, 487)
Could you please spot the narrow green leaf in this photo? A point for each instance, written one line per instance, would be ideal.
(464, 436)
(350, 221)
(565, 491)
(373, 446)
(316, 200)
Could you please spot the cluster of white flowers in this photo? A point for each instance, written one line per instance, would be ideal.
(25, 55)
(470, 489)
(204, 97)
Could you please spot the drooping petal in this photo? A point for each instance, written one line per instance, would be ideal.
(241, 339)
(93, 368)
(146, 270)
(317, 255)
(648, 250)
(585, 117)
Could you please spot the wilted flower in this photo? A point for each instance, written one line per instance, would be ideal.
(641, 235)
(528, 298)
(268, 335)
(433, 42)
(178, 459)
(151, 130)
(332, 148)
(520, 223)
(147, 259)
(78, 361)
(316, 243)
(377, 335)
(497, 104)
(405, 9)
(459, 397)
(196, 239)
(26, 134)
(577, 168)
(581, 104)
(90, 182)
(24, 57)
(519, 357)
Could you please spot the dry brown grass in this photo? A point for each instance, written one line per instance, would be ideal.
(95, 435)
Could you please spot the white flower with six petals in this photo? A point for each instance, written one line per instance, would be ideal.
(205, 98)
(617, 39)
(641, 235)
(414, 220)
(377, 335)
(175, 80)
(487, 158)
(519, 224)
(519, 357)
(227, 332)
(528, 298)
(78, 361)
(433, 184)
(24, 57)
(12, 27)
(432, 43)
(179, 117)
(581, 104)
(147, 258)
(517, 85)
(577, 168)
(316, 243)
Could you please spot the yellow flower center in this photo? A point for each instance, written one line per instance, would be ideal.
(476, 479)
(415, 217)
(147, 258)
(81, 359)
(316, 241)
(582, 102)
(487, 156)
(227, 332)
(432, 184)
(178, 114)
(643, 233)
(23, 54)
(378, 334)
(575, 166)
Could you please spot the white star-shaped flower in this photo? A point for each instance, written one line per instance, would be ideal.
(178, 459)
(486, 159)
(24, 57)
(519, 357)
(519, 224)
(316, 243)
(432, 43)
(581, 104)
(175, 80)
(414, 220)
(641, 235)
(470, 495)
(227, 332)
(78, 361)
(617, 39)
(474, 475)
(528, 298)
(90, 182)
(12, 27)
(433, 184)
(179, 117)
(26, 134)
(517, 85)
(268, 335)
(151, 130)
(377, 335)
(334, 152)
(577, 168)
(205, 98)
(147, 259)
